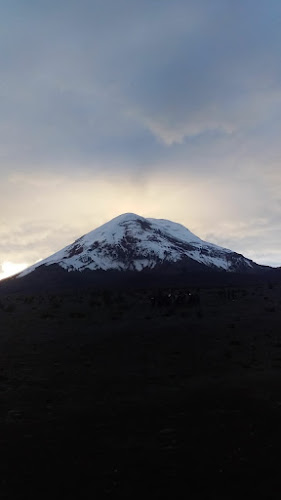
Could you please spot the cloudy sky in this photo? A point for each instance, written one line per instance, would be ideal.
(165, 108)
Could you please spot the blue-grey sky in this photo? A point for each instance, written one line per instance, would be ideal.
(166, 108)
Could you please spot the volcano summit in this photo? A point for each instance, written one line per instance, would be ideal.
(133, 243)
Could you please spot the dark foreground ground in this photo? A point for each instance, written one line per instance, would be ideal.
(105, 396)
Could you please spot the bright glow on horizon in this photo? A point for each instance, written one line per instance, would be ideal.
(81, 204)
(158, 109)
(10, 268)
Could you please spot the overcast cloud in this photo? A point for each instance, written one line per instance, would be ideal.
(166, 108)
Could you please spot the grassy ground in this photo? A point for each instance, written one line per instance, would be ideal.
(105, 396)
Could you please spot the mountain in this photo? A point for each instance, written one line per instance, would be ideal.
(131, 249)
(132, 243)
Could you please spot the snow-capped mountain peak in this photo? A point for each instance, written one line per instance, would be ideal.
(130, 242)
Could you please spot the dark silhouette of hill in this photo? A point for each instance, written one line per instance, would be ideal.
(55, 279)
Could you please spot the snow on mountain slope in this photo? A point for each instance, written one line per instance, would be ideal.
(131, 242)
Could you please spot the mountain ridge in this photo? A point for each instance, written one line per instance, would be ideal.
(131, 251)
(130, 242)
